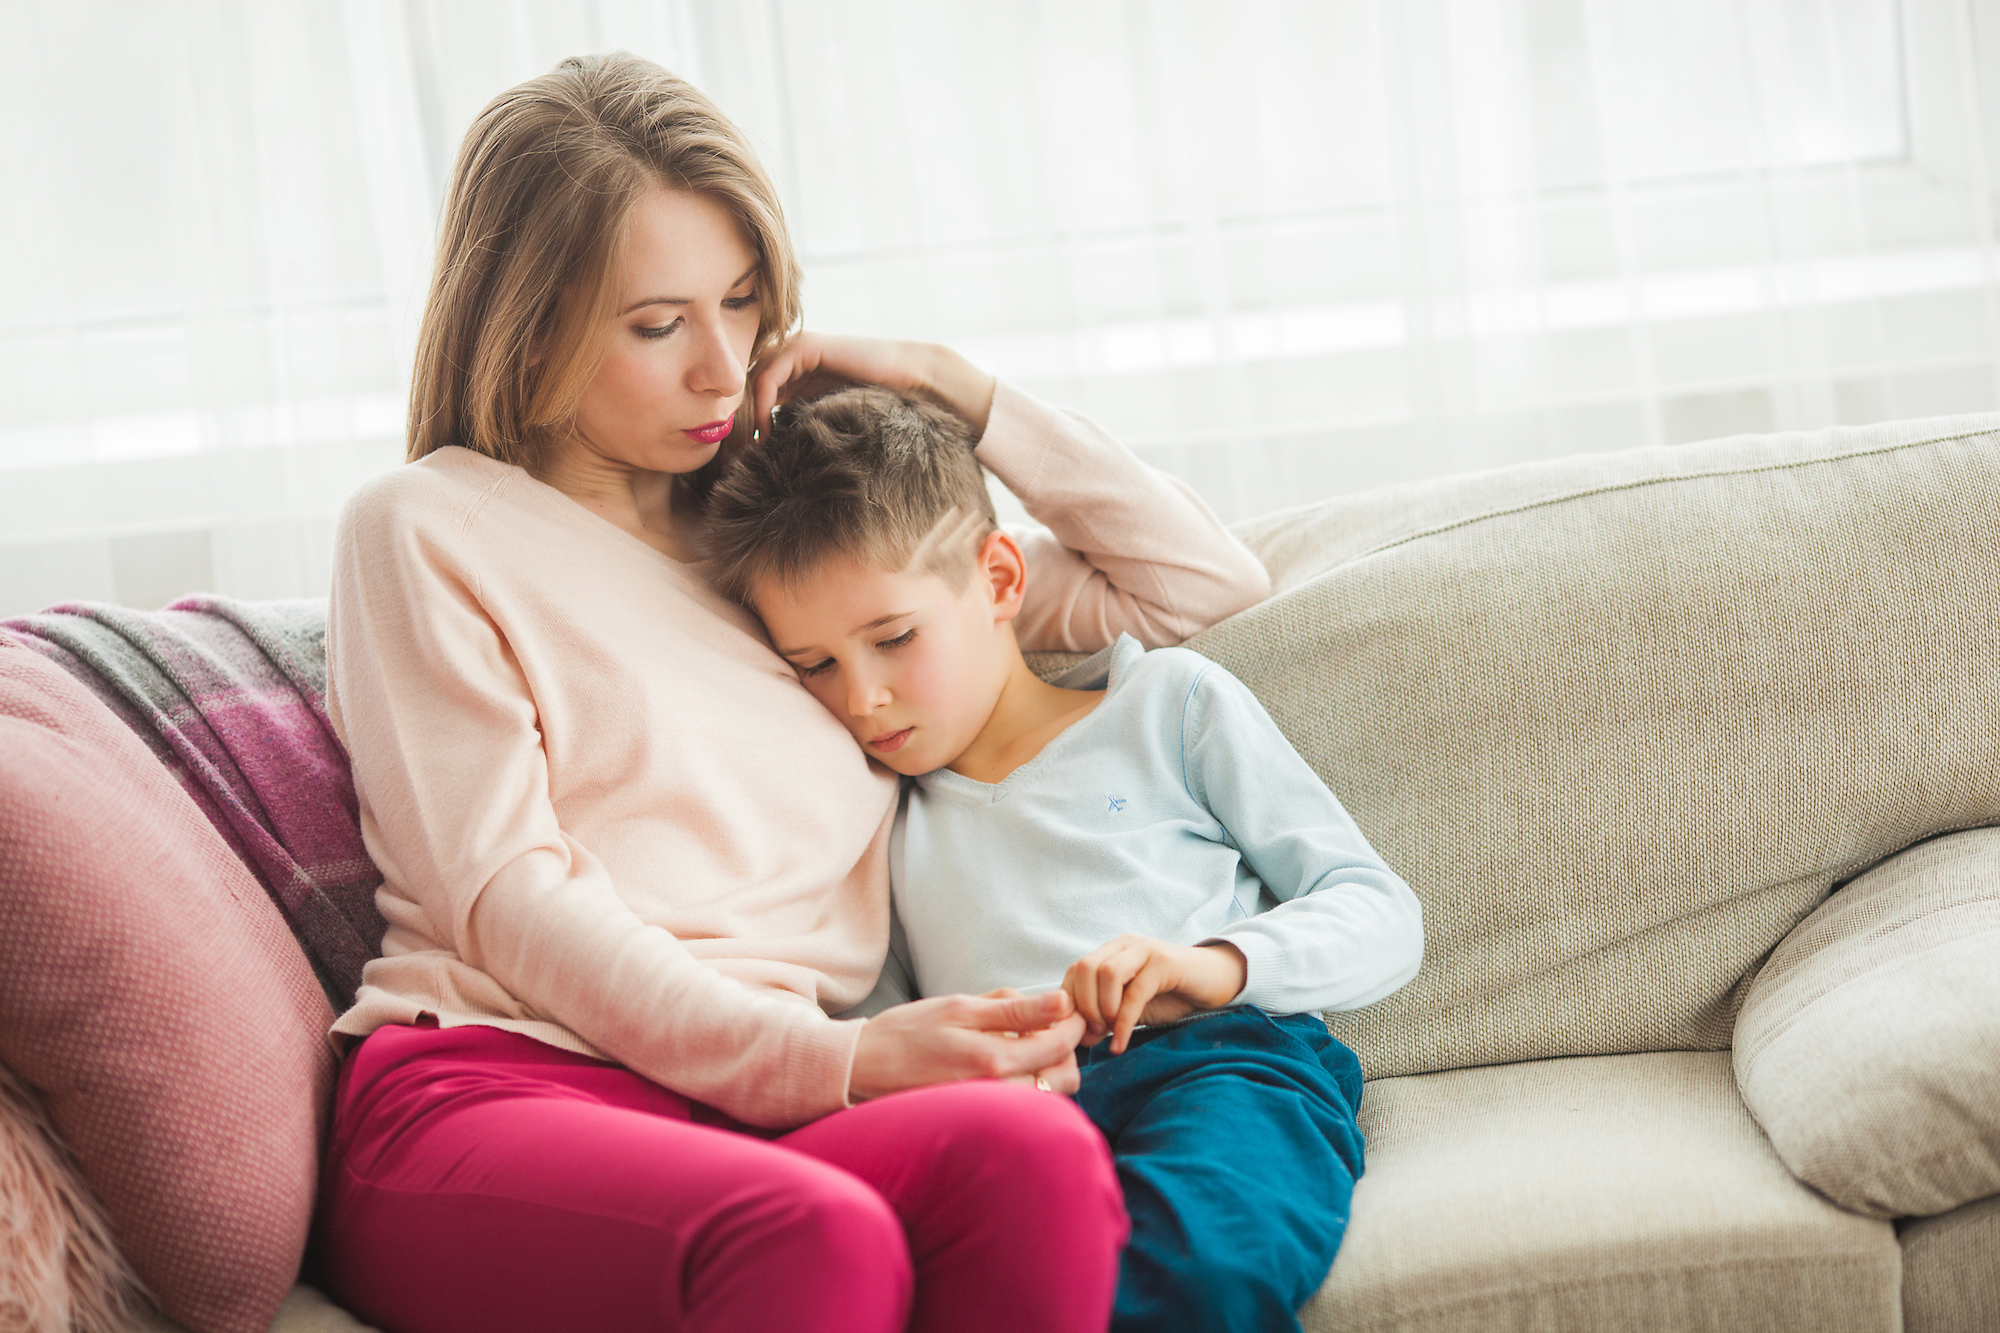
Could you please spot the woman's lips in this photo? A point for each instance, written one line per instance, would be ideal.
(892, 742)
(714, 432)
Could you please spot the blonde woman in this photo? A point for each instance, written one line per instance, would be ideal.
(632, 870)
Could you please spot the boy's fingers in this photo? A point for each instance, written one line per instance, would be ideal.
(1084, 998)
(1115, 978)
(1138, 993)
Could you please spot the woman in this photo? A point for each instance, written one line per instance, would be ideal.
(630, 867)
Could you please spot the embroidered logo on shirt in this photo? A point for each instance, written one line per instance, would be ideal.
(1117, 803)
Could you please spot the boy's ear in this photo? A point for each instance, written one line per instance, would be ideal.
(1005, 572)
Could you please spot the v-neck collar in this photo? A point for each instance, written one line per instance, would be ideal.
(1108, 670)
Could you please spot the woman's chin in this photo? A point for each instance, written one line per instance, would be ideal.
(681, 456)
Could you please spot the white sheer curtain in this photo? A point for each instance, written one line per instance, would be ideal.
(1286, 248)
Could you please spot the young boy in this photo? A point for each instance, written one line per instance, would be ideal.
(1140, 834)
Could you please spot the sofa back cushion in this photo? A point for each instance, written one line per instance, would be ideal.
(1869, 1044)
(153, 998)
(1622, 720)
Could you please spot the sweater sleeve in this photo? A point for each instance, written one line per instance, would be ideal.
(453, 782)
(1346, 930)
(1127, 549)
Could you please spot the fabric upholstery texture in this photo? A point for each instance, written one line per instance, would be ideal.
(1869, 1043)
(152, 997)
(1573, 1196)
(1622, 720)
(1951, 1271)
(231, 696)
(60, 1269)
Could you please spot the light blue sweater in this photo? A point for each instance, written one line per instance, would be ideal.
(1174, 809)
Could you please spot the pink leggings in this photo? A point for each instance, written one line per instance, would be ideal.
(477, 1179)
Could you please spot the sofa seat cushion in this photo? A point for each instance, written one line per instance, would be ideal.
(305, 1310)
(153, 999)
(1611, 1192)
(1951, 1270)
(1623, 720)
(1869, 1043)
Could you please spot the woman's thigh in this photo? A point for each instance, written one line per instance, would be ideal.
(1008, 1194)
(481, 1180)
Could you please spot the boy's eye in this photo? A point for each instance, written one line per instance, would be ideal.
(817, 668)
(899, 640)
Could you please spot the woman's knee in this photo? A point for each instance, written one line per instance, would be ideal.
(807, 1224)
(1019, 1140)
(808, 1248)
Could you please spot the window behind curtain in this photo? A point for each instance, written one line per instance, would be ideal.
(1286, 250)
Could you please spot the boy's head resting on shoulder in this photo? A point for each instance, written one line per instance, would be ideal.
(861, 533)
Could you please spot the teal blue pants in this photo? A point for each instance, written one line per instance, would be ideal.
(1235, 1142)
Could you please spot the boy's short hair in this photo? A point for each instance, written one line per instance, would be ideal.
(861, 473)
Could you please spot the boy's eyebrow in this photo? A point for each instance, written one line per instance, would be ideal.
(682, 300)
(876, 623)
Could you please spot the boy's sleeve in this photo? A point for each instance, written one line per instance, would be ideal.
(1347, 931)
(1126, 548)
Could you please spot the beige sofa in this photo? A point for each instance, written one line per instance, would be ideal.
(1693, 756)
(1624, 722)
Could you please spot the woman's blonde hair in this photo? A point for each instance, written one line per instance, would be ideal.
(544, 185)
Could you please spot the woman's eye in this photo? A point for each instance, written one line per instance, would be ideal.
(740, 302)
(899, 640)
(647, 331)
(815, 669)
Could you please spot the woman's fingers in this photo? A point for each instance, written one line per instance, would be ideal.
(792, 359)
(811, 363)
(1015, 1012)
(1032, 1052)
(1062, 1077)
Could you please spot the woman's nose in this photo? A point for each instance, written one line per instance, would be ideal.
(717, 369)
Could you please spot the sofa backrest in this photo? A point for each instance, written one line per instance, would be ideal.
(1622, 720)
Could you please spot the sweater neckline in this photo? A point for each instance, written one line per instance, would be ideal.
(567, 511)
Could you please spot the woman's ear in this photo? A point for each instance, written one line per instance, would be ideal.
(1005, 574)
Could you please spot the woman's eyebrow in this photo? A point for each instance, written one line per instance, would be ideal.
(681, 300)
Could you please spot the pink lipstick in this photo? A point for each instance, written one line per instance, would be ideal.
(714, 432)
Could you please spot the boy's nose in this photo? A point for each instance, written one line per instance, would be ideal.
(864, 698)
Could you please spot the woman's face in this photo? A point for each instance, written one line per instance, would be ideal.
(686, 318)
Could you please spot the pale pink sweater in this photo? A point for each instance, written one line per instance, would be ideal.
(607, 814)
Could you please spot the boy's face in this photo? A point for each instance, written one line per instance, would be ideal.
(910, 665)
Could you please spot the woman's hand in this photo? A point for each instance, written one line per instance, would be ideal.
(809, 364)
(1135, 980)
(967, 1036)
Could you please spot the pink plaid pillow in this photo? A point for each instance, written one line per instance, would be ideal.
(152, 996)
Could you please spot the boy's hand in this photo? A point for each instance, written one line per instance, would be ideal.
(1134, 979)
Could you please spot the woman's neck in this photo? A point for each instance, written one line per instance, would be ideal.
(632, 499)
